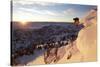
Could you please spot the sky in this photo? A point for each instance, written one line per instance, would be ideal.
(28, 10)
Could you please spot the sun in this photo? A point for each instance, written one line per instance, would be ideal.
(23, 22)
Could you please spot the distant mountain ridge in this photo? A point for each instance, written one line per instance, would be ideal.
(50, 32)
(16, 24)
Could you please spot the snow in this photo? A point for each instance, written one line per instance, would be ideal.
(87, 38)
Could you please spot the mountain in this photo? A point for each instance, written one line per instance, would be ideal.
(27, 36)
(87, 37)
(25, 40)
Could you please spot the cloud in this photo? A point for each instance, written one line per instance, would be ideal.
(34, 3)
(36, 7)
(44, 3)
(50, 12)
(22, 2)
(33, 6)
(34, 10)
(69, 11)
(27, 16)
(45, 12)
(39, 12)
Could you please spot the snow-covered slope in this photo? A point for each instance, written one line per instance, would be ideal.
(87, 37)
